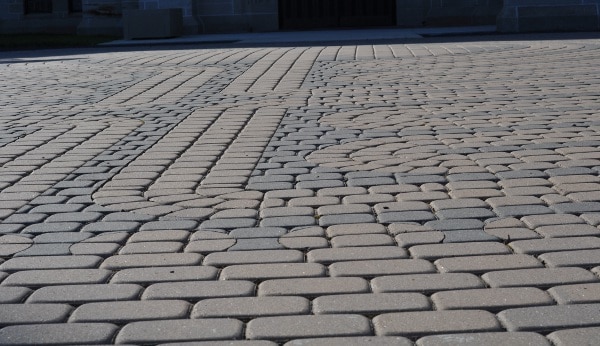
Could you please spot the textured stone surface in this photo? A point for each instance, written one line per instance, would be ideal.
(179, 331)
(435, 322)
(257, 193)
(58, 334)
(289, 327)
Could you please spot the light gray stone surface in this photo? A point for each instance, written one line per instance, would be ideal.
(350, 193)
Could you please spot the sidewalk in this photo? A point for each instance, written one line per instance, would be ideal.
(311, 36)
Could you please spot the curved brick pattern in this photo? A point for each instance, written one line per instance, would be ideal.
(289, 193)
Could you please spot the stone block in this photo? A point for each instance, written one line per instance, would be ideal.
(156, 23)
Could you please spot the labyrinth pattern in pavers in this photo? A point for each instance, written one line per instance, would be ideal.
(400, 194)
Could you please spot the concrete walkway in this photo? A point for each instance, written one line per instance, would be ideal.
(326, 194)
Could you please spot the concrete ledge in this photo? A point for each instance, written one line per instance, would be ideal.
(160, 23)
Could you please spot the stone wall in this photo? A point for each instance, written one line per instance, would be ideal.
(220, 16)
(549, 15)
(60, 21)
(413, 13)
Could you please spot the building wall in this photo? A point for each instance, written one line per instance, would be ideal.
(60, 21)
(223, 16)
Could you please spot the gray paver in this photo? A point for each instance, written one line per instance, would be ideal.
(542, 277)
(13, 314)
(58, 334)
(151, 260)
(435, 251)
(179, 331)
(13, 294)
(435, 322)
(352, 341)
(245, 307)
(546, 318)
(289, 327)
(50, 262)
(36, 278)
(491, 299)
(370, 304)
(310, 287)
(494, 338)
(482, 264)
(164, 274)
(119, 312)
(272, 271)
(80, 294)
(426, 283)
(373, 268)
(576, 294)
(577, 336)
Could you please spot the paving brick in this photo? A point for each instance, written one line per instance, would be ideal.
(58, 334)
(246, 307)
(542, 277)
(362, 240)
(369, 199)
(435, 251)
(576, 207)
(550, 318)
(329, 220)
(371, 268)
(151, 260)
(342, 191)
(493, 338)
(127, 311)
(164, 235)
(209, 245)
(491, 299)
(164, 274)
(36, 278)
(573, 230)
(272, 271)
(310, 287)
(435, 322)
(576, 294)
(482, 264)
(13, 294)
(577, 336)
(405, 216)
(151, 248)
(221, 259)
(289, 327)
(353, 341)
(580, 258)
(80, 294)
(98, 249)
(352, 229)
(370, 304)
(256, 244)
(331, 255)
(538, 246)
(454, 224)
(535, 221)
(50, 262)
(196, 290)
(13, 314)
(426, 283)
(144, 332)
(62, 237)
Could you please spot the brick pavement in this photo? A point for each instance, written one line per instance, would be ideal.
(386, 194)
